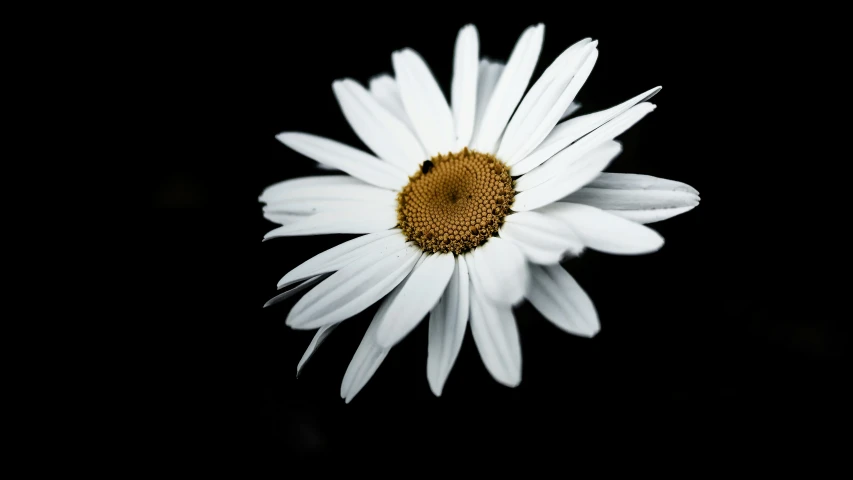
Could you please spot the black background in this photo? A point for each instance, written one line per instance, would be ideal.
(702, 328)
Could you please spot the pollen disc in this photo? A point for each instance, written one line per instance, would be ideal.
(456, 204)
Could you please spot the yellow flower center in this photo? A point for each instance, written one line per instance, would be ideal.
(456, 202)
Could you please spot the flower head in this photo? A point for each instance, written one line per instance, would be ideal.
(466, 208)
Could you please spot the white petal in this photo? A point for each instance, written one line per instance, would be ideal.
(352, 220)
(501, 270)
(487, 79)
(573, 129)
(605, 133)
(353, 161)
(496, 335)
(547, 100)
(308, 207)
(560, 299)
(463, 88)
(293, 291)
(604, 231)
(553, 116)
(283, 218)
(609, 199)
(650, 216)
(633, 181)
(642, 188)
(509, 89)
(381, 131)
(318, 339)
(384, 88)
(353, 288)
(309, 200)
(640, 205)
(368, 356)
(338, 257)
(447, 323)
(418, 295)
(569, 111)
(575, 175)
(425, 104)
(356, 192)
(540, 238)
(276, 190)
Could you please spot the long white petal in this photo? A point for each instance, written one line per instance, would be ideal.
(284, 218)
(337, 257)
(353, 161)
(352, 220)
(633, 181)
(447, 323)
(496, 335)
(311, 200)
(605, 133)
(353, 288)
(571, 130)
(501, 270)
(650, 216)
(640, 205)
(574, 107)
(487, 79)
(293, 291)
(560, 299)
(318, 339)
(609, 199)
(381, 131)
(308, 207)
(540, 238)
(419, 294)
(368, 356)
(604, 231)
(424, 102)
(575, 175)
(547, 100)
(276, 190)
(553, 116)
(356, 192)
(463, 88)
(386, 91)
(509, 89)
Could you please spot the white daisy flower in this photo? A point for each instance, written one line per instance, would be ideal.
(467, 208)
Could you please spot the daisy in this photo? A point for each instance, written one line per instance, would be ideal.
(466, 208)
